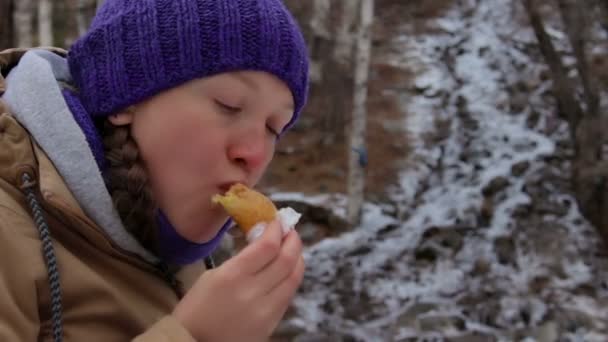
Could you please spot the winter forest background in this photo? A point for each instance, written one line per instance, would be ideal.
(451, 166)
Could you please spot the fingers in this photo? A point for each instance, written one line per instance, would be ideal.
(283, 293)
(282, 266)
(260, 252)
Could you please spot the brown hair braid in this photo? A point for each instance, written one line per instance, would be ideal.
(128, 184)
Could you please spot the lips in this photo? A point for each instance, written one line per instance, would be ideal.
(224, 187)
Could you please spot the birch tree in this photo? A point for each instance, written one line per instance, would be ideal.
(344, 35)
(85, 10)
(357, 146)
(23, 23)
(81, 22)
(320, 32)
(319, 19)
(45, 23)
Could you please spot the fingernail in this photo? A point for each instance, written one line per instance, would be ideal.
(256, 231)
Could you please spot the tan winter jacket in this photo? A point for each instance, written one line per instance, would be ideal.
(108, 293)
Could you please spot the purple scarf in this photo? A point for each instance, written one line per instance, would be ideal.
(173, 248)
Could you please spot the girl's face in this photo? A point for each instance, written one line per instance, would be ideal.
(199, 138)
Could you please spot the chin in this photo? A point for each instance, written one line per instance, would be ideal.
(207, 229)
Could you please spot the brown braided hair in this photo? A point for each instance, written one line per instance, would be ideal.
(128, 183)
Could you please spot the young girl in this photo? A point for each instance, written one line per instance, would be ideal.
(109, 157)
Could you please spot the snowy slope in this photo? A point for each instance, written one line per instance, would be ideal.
(487, 242)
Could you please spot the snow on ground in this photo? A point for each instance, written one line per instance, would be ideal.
(370, 283)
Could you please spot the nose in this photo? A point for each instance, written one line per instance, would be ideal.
(250, 150)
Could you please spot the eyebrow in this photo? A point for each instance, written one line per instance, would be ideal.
(253, 85)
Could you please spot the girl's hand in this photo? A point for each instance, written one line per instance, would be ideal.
(245, 298)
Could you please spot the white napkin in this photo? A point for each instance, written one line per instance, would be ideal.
(288, 218)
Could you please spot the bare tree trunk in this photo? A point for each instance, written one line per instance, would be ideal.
(45, 23)
(85, 11)
(6, 25)
(337, 70)
(604, 5)
(589, 133)
(357, 147)
(344, 36)
(320, 37)
(320, 16)
(569, 107)
(81, 19)
(586, 124)
(575, 21)
(23, 20)
(590, 171)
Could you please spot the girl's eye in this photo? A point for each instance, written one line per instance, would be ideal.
(273, 131)
(227, 108)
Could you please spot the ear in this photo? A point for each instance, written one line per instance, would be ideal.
(122, 118)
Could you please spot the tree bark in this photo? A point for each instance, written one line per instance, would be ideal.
(587, 126)
(569, 107)
(45, 23)
(81, 22)
(344, 36)
(6, 25)
(85, 11)
(320, 17)
(576, 21)
(23, 20)
(357, 146)
(319, 38)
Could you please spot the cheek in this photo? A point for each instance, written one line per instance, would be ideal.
(268, 158)
(177, 151)
(162, 144)
(188, 151)
(201, 152)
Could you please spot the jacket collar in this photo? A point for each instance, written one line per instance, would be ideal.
(71, 177)
(10, 57)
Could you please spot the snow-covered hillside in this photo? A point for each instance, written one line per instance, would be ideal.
(482, 241)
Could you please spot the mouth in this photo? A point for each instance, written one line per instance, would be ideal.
(224, 187)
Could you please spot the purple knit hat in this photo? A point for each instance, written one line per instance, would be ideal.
(138, 48)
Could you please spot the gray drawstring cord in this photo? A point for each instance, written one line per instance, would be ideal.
(209, 262)
(171, 279)
(28, 187)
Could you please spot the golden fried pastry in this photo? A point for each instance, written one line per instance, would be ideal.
(246, 206)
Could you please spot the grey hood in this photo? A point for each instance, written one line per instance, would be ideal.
(34, 96)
